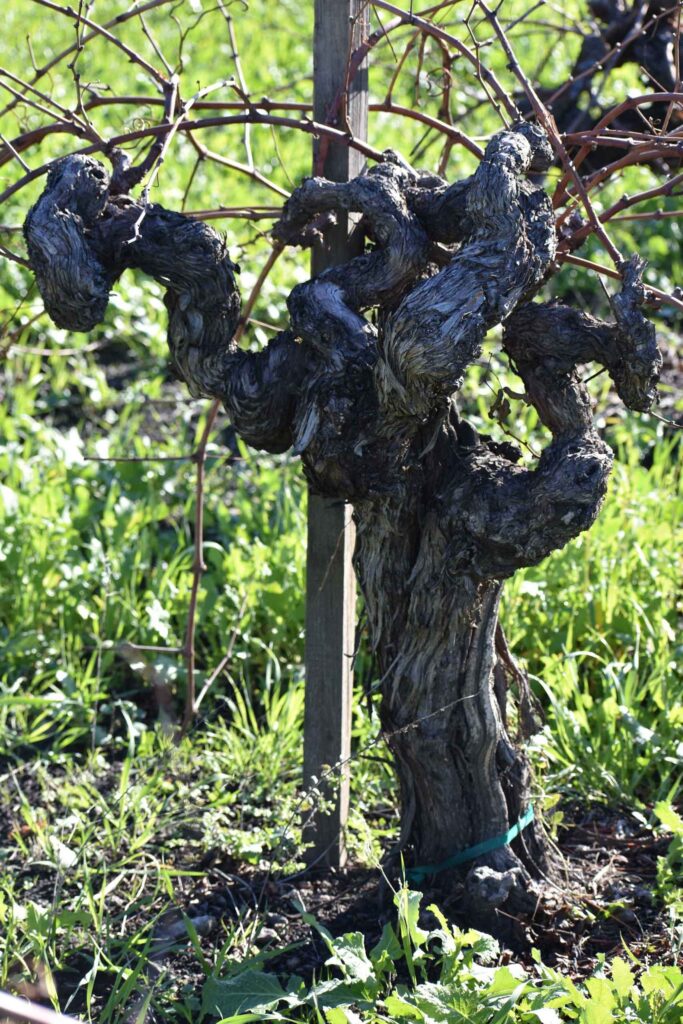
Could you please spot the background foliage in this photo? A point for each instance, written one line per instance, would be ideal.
(103, 820)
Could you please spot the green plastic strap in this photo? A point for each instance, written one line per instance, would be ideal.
(418, 874)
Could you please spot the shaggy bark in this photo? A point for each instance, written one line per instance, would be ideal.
(81, 238)
(443, 515)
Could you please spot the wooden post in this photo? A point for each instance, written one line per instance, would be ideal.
(330, 584)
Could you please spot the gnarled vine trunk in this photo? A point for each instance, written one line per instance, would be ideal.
(462, 779)
(443, 514)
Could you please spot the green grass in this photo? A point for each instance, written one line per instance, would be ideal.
(441, 974)
(95, 555)
(599, 626)
(105, 823)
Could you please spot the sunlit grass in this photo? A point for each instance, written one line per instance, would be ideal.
(105, 822)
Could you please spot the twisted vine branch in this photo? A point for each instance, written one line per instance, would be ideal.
(356, 399)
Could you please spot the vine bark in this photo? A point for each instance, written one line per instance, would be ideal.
(443, 514)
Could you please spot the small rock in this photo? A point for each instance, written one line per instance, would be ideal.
(204, 924)
(172, 930)
(490, 886)
(265, 936)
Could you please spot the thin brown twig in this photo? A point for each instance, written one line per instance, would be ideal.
(547, 122)
(73, 66)
(154, 44)
(475, 42)
(399, 65)
(43, 97)
(254, 117)
(237, 212)
(624, 203)
(190, 182)
(653, 215)
(665, 298)
(418, 71)
(434, 30)
(241, 80)
(634, 102)
(133, 12)
(198, 567)
(17, 156)
(100, 30)
(14, 257)
(25, 140)
(389, 107)
(224, 660)
(235, 165)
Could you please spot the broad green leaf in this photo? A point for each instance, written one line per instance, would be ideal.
(506, 980)
(669, 818)
(398, 1007)
(663, 980)
(449, 1004)
(388, 944)
(342, 1016)
(601, 991)
(595, 1013)
(348, 953)
(598, 1009)
(445, 934)
(334, 993)
(248, 992)
(408, 903)
(622, 976)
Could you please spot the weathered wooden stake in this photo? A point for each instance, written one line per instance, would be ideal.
(330, 585)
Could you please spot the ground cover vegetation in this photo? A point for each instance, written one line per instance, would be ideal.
(145, 874)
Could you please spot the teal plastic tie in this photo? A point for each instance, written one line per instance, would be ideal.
(418, 874)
